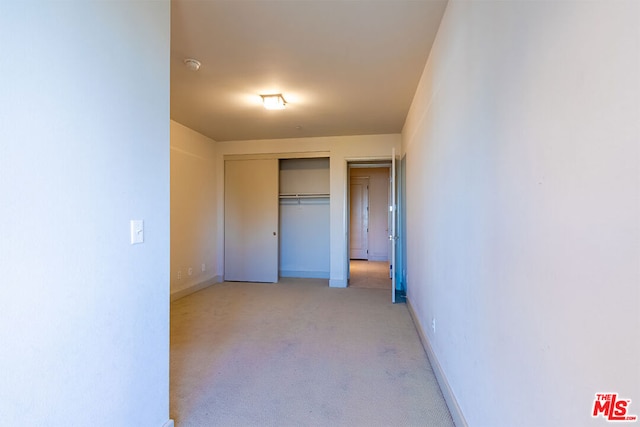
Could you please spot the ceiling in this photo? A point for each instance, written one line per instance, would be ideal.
(345, 67)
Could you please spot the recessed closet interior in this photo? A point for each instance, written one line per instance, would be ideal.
(304, 218)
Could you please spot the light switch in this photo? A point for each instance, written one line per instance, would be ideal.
(137, 231)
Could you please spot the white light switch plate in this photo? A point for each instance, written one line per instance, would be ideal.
(137, 231)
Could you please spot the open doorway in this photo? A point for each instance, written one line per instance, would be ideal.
(369, 224)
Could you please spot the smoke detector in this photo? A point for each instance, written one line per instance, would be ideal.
(192, 64)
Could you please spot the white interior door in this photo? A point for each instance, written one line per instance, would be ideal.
(393, 236)
(359, 218)
(251, 220)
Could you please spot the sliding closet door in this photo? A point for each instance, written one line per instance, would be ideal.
(251, 220)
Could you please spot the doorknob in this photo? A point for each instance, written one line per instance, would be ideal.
(274, 233)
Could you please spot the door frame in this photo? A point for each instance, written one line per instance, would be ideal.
(372, 162)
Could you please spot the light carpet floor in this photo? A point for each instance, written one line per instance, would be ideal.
(299, 353)
(369, 274)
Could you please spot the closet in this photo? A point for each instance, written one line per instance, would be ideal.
(304, 218)
(276, 219)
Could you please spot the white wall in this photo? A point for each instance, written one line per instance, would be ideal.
(524, 208)
(84, 148)
(340, 149)
(304, 176)
(193, 210)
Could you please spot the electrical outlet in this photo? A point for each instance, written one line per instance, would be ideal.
(433, 324)
(190, 271)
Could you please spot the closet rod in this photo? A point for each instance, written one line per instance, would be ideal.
(303, 195)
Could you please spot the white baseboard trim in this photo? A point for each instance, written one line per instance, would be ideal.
(337, 283)
(305, 274)
(195, 288)
(378, 258)
(449, 397)
(168, 423)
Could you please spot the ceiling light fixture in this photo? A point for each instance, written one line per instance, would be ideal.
(274, 102)
(192, 64)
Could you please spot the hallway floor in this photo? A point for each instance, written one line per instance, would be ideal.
(369, 274)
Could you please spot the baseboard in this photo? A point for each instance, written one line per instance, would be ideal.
(449, 397)
(378, 258)
(195, 288)
(337, 283)
(305, 274)
(168, 423)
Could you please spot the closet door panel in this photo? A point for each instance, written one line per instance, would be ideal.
(251, 220)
